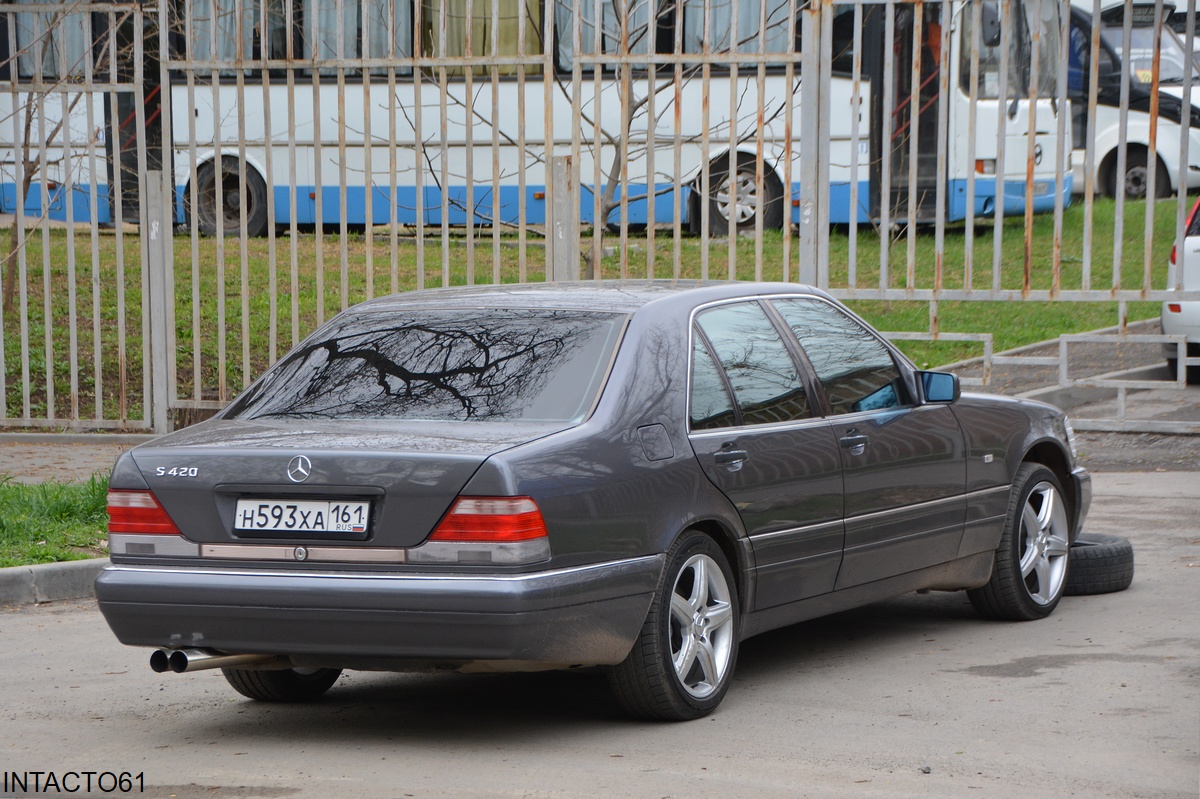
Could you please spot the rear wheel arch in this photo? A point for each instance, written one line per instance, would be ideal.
(734, 554)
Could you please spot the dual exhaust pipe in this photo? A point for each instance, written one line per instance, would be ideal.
(186, 660)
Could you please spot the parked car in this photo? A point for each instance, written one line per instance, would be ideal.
(1183, 318)
(637, 476)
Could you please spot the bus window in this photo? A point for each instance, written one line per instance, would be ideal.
(51, 44)
(751, 36)
(511, 16)
(360, 19)
(720, 26)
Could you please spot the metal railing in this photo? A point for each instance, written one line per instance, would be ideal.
(283, 159)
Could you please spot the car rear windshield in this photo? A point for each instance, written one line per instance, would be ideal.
(446, 365)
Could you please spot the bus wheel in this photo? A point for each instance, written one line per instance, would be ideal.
(228, 213)
(737, 204)
(1137, 178)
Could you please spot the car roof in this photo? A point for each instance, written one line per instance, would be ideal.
(613, 296)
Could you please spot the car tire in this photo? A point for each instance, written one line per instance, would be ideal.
(1100, 564)
(284, 685)
(683, 659)
(228, 216)
(742, 216)
(1031, 563)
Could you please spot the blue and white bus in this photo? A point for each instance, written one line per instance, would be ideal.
(442, 111)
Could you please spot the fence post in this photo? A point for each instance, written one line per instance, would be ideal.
(564, 219)
(811, 128)
(158, 233)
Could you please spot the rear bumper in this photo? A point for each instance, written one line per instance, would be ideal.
(582, 616)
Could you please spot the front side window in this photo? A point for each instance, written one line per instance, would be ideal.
(442, 365)
(766, 385)
(1173, 62)
(855, 368)
(1026, 16)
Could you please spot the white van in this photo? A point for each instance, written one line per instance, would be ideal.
(1174, 115)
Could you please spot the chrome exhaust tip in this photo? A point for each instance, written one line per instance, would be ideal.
(181, 661)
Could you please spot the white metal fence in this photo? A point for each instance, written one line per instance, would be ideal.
(196, 184)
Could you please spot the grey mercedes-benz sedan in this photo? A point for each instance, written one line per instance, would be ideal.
(633, 475)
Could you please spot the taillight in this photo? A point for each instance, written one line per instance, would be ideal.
(487, 530)
(492, 519)
(1174, 307)
(1173, 254)
(138, 512)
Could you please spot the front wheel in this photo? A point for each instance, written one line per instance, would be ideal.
(1030, 568)
(682, 662)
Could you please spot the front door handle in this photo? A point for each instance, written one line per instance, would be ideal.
(857, 444)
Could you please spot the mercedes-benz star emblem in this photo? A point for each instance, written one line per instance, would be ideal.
(301, 553)
(299, 468)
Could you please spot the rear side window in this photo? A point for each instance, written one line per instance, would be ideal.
(761, 372)
(443, 365)
(854, 367)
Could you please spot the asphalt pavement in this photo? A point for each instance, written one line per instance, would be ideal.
(912, 697)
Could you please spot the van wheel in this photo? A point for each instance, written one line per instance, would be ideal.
(1137, 178)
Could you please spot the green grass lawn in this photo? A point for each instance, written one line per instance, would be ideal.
(226, 293)
(52, 522)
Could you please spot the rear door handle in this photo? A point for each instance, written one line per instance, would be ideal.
(857, 444)
(731, 456)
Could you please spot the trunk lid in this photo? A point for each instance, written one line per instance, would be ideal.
(407, 473)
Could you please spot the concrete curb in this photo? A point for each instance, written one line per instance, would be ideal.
(48, 582)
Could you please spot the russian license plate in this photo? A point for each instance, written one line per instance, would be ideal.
(302, 515)
(1041, 188)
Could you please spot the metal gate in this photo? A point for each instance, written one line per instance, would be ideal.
(320, 152)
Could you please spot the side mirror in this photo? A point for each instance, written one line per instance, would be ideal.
(940, 386)
(989, 24)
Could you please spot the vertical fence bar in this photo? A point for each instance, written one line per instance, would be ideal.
(810, 132)
(914, 151)
(1122, 158)
(1061, 156)
(1000, 192)
(887, 126)
(1034, 92)
(1089, 159)
(1181, 202)
(469, 148)
(1152, 155)
(269, 165)
(975, 11)
(943, 148)
(856, 102)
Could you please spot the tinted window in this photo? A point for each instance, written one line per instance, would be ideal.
(710, 403)
(856, 369)
(762, 373)
(483, 364)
